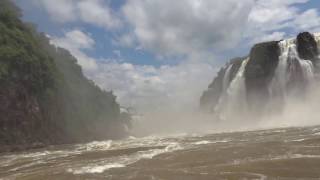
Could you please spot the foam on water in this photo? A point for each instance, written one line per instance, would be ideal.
(95, 169)
(209, 142)
(122, 161)
(297, 140)
(95, 145)
(256, 147)
(202, 142)
(273, 158)
(316, 134)
(258, 176)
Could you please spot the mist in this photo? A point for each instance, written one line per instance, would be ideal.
(296, 112)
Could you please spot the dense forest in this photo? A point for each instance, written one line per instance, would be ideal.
(44, 96)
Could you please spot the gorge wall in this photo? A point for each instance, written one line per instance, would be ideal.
(44, 96)
(262, 82)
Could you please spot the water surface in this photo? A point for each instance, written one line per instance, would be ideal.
(288, 153)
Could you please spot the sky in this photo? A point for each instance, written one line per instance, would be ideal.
(156, 54)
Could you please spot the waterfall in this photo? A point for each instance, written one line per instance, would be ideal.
(292, 76)
(279, 83)
(226, 78)
(307, 69)
(233, 101)
(317, 38)
(286, 68)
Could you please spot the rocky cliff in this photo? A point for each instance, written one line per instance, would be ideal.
(44, 96)
(271, 71)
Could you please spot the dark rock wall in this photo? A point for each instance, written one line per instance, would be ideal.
(307, 46)
(264, 58)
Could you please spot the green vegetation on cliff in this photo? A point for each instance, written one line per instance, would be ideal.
(44, 95)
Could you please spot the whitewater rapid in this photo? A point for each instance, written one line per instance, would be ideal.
(274, 153)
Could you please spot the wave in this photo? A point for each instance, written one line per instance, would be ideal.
(209, 142)
(123, 161)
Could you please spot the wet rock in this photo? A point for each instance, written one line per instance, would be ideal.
(264, 58)
(307, 46)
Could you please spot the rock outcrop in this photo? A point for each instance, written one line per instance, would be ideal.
(307, 46)
(264, 58)
(273, 70)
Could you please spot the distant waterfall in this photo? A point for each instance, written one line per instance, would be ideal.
(317, 38)
(234, 98)
(278, 84)
(226, 78)
(287, 67)
(307, 69)
(291, 81)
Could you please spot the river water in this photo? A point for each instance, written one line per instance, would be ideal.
(286, 153)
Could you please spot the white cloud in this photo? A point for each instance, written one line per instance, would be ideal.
(188, 27)
(275, 36)
(59, 10)
(180, 27)
(94, 12)
(150, 88)
(76, 41)
(97, 13)
(269, 19)
(308, 20)
(142, 86)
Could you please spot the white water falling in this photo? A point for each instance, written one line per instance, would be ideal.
(226, 78)
(288, 53)
(279, 83)
(307, 69)
(233, 101)
(317, 38)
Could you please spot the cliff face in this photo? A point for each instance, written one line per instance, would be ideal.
(272, 70)
(307, 46)
(259, 72)
(44, 96)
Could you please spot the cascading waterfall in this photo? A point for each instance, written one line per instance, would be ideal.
(288, 55)
(307, 69)
(292, 76)
(279, 83)
(317, 38)
(225, 85)
(226, 78)
(233, 99)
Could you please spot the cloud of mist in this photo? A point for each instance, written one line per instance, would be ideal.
(296, 112)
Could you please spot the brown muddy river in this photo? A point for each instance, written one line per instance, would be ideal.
(289, 153)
